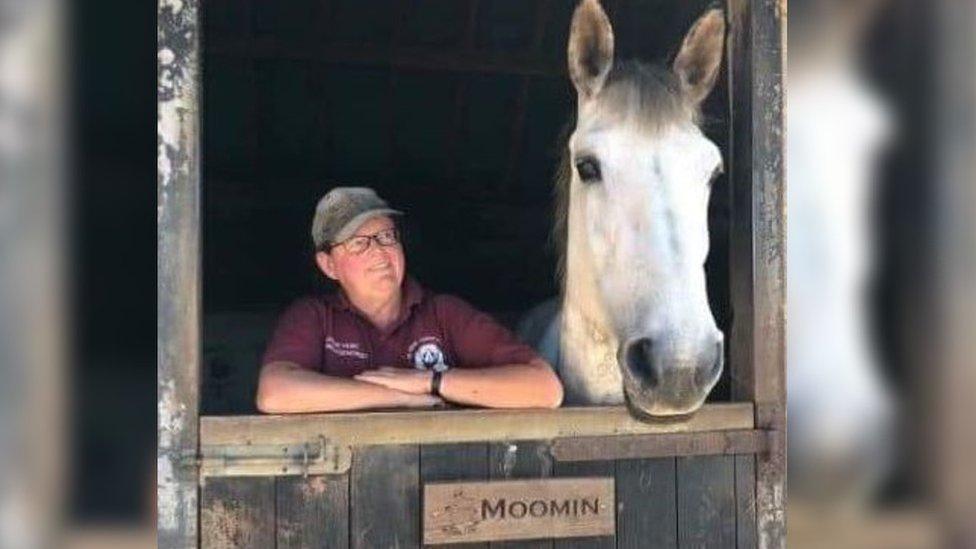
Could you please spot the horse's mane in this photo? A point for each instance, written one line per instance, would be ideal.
(649, 92)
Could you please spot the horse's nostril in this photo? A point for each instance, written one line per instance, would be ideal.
(715, 368)
(640, 360)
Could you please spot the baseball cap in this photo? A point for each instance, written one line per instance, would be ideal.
(343, 210)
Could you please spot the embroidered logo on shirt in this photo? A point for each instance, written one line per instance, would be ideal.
(345, 348)
(426, 354)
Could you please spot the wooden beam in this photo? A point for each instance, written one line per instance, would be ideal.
(757, 248)
(381, 56)
(396, 25)
(448, 426)
(460, 98)
(741, 441)
(542, 13)
(739, 165)
(178, 270)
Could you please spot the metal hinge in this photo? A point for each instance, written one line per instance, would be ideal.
(320, 457)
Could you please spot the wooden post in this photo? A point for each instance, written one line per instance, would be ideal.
(758, 272)
(178, 271)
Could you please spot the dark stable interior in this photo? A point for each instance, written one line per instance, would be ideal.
(453, 111)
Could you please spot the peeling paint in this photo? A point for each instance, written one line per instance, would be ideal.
(167, 498)
(176, 6)
(177, 153)
(171, 414)
(315, 487)
(772, 523)
(509, 459)
(229, 524)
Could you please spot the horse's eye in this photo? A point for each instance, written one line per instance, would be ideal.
(588, 170)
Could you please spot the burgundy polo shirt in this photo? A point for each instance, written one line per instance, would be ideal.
(326, 334)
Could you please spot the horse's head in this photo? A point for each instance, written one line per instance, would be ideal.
(637, 213)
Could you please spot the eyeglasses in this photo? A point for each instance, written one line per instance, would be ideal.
(357, 245)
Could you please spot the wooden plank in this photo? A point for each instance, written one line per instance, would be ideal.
(238, 513)
(520, 459)
(706, 501)
(442, 462)
(448, 462)
(769, 381)
(739, 166)
(312, 512)
(661, 445)
(518, 509)
(745, 501)
(646, 511)
(385, 502)
(178, 269)
(460, 425)
(602, 469)
(757, 247)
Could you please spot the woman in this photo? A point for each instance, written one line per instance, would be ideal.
(382, 341)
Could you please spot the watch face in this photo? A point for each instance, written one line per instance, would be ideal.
(429, 356)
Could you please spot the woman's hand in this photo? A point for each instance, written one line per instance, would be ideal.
(416, 382)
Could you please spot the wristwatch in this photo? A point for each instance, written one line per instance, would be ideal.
(435, 383)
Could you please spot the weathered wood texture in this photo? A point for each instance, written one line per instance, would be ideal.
(178, 271)
(520, 459)
(706, 501)
(663, 502)
(739, 166)
(312, 512)
(454, 462)
(662, 445)
(460, 425)
(585, 469)
(757, 247)
(646, 512)
(745, 501)
(238, 513)
(385, 497)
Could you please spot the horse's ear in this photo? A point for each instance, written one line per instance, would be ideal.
(590, 51)
(697, 64)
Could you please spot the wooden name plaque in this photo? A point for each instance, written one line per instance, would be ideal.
(459, 512)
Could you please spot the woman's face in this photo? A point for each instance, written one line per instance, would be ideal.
(374, 274)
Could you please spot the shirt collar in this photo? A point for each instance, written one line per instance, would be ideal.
(412, 294)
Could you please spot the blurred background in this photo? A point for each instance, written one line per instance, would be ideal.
(882, 248)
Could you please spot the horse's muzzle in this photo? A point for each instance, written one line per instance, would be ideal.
(660, 381)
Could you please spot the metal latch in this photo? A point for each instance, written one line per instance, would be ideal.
(320, 457)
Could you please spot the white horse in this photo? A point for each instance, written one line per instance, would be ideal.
(634, 323)
(840, 410)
